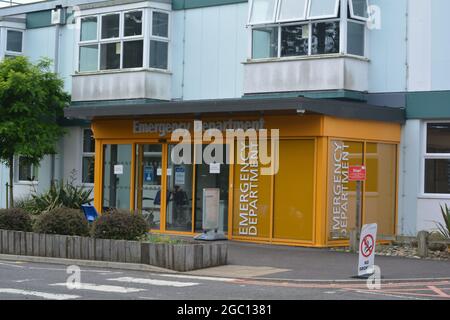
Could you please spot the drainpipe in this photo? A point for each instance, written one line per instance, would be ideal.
(404, 148)
(184, 54)
(56, 70)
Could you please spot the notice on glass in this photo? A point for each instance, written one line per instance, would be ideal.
(214, 168)
(159, 171)
(118, 169)
(179, 176)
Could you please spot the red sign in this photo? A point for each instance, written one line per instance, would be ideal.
(367, 245)
(357, 173)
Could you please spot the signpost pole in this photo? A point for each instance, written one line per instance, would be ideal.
(358, 205)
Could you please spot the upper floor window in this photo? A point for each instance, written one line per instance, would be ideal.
(437, 158)
(117, 40)
(285, 28)
(14, 42)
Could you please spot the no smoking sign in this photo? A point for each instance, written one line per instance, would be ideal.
(367, 249)
(367, 245)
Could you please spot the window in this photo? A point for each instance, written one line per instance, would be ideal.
(159, 43)
(262, 11)
(355, 38)
(14, 41)
(265, 43)
(121, 43)
(132, 54)
(290, 10)
(294, 40)
(88, 29)
(88, 58)
(306, 27)
(110, 26)
(26, 171)
(160, 24)
(110, 56)
(437, 158)
(358, 9)
(115, 41)
(88, 156)
(325, 38)
(133, 24)
(319, 9)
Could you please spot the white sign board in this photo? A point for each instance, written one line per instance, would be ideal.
(211, 203)
(214, 168)
(118, 169)
(180, 175)
(367, 249)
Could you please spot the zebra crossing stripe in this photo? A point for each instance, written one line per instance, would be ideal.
(155, 282)
(206, 278)
(45, 295)
(100, 287)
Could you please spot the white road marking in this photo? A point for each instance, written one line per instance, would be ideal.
(45, 295)
(101, 288)
(24, 280)
(11, 265)
(388, 295)
(82, 270)
(155, 282)
(183, 276)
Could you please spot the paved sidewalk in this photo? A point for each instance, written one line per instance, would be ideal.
(284, 262)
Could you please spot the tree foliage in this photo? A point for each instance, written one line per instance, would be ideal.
(32, 99)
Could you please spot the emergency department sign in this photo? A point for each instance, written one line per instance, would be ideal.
(367, 249)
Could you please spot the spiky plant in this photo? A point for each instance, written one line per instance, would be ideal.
(444, 228)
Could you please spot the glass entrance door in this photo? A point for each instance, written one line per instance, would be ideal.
(212, 176)
(148, 183)
(179, 195)
(116, 176)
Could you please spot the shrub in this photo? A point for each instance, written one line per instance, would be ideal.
(65, 221)
(444, 228)
(15, 219)
(60, 194)
(121, 225)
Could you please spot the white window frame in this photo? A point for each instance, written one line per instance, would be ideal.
(309, 23)
(350, 20)
(84, 155)
(275, 11)
(425, 156)
(121, 39)
(159, 38)
(303, 18)
(336, 11)
(33, 168)
(13, 53)
(352, 13)
(343, 43)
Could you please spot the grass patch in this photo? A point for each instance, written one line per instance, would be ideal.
(156, 238)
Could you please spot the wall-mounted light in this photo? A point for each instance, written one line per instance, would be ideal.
(301, 111)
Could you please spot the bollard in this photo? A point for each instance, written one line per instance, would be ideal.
(7, 195)
(422, 244)
(354, 243)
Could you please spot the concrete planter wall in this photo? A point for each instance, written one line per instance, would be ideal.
(179, 257)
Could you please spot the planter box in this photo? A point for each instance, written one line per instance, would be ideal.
(179, 257)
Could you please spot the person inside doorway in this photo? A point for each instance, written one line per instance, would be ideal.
(181, 203)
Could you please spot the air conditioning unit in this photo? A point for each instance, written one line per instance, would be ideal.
(58, 16)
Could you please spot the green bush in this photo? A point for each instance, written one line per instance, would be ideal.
(121, 225)
(65, 221)
(15, 219)
(60, 194)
